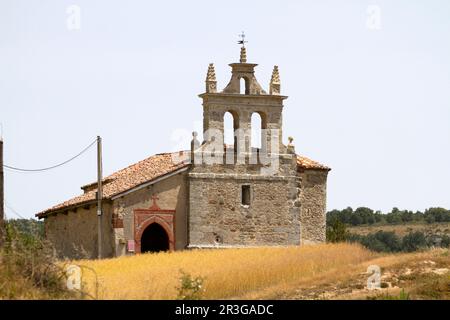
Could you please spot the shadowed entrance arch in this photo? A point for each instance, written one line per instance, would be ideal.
(154, 239)
(154, 229)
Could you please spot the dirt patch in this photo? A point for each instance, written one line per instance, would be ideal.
(414, 276)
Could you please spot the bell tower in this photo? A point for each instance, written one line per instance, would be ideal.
(242, 97)
(238, 194)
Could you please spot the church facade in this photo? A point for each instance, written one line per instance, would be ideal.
(211, 196)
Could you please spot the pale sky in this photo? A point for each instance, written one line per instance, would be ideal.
(368, 97)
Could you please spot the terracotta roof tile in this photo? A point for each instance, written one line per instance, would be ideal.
(146, 170)
(306, 163)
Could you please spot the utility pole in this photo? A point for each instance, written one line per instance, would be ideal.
(2, 197)
(99, 195)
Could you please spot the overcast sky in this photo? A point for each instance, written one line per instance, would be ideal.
(368, 85)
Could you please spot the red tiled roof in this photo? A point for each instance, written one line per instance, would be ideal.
(144, 171)
(306, 163)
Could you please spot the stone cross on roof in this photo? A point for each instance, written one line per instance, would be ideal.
(154, 206)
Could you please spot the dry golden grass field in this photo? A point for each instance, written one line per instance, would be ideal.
(326, 271)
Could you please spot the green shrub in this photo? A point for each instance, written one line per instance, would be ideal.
(336, 231)
(445, 242)
(414, 241)
(386, 296)
(381, 241)
(28, 268)
(190, 288)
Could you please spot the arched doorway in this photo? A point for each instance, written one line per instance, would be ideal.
(154, 239)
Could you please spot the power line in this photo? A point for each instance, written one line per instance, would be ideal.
(14, 211)
(55, 166)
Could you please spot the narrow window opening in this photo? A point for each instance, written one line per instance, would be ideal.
(245, 195)
(242, 86)
(228, 131)
(256, 129)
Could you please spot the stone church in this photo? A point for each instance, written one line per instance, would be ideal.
(211, 196)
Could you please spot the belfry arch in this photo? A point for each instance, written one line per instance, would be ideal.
(230, 127)
(244, 85)
(258, 125)
(242, 104)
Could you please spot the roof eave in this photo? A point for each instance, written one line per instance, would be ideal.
(301, 169)
(49, 212)
(150, 182)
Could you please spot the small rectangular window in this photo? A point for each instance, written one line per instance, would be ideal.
(245, 195)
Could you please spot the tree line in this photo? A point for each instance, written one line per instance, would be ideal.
(364, 215)
(28, 227)
(387, 241)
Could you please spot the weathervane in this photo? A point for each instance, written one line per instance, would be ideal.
(243, 42)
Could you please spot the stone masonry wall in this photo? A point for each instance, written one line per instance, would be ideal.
(313, 206)
(218, 218)
(268, 107)
(74, 234)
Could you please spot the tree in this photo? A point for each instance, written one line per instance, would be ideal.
(356, 219)
(379, 217)
(430, 218)
(337, 231)
(418, 216)
(28, 227)
(437, 215)
(365, 214)
(333, 214)
(406, 215)
(394, 217)
(347, 214)
(371, 219)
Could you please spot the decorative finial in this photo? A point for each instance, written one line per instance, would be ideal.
(211, 83)
(194, 146)
(211, 75)
(290, 146)
(275, 82)
(243, 58)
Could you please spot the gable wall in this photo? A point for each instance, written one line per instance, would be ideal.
(172, 194)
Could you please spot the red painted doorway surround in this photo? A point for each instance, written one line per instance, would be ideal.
(145, 217)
